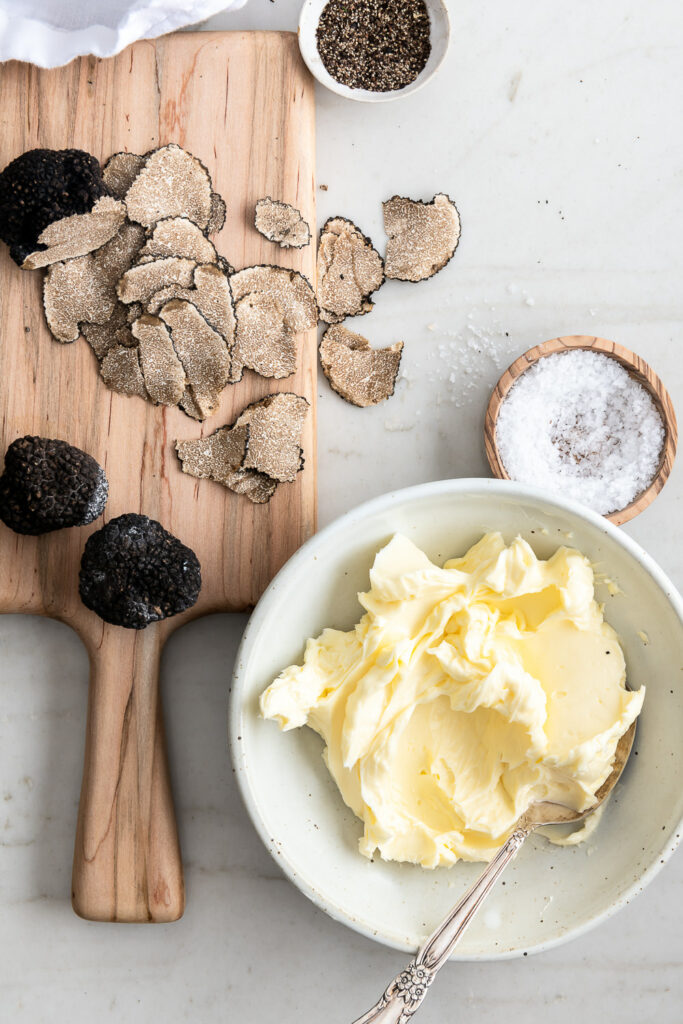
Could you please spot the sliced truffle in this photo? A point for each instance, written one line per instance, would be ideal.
(81, 233)
(162, 371)
(263, 341)
(360, 374)
(134, 572)
(202, 352)
(275, 424)
(120, 171)
(219, 457)
(41, 187)
(179, 236)
(83, 290)
(211, 295)
(285, 305)
(216, 214)
(288, 288)
(116, 331)
(349, 270)
(281, 223)
(141, 282)
(120, 371)
(215, 457)
(172, 183)
(48, 485)
(422, 236)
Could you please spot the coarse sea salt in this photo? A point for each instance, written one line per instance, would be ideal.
(575, 422)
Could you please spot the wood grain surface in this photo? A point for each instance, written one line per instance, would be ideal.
(636, 367)
(243, 103)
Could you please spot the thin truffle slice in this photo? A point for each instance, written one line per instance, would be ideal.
(219, 457)
(162, 371)
(202, 352)
(84, 289)
(358, 373)
(275, 425)
(281, 223)
(179, 236)
(172, 183)
(349, 270)
(289, 289)
(120, 171)
(149, 276)
(134, 572)
(422, 236)
(120, 371)
(216, 214)
(48, 485)
(42, 186)
(215, 457)
(81, 233)
(211, 295)
(263, 341)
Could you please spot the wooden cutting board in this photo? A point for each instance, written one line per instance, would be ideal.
(243, 103)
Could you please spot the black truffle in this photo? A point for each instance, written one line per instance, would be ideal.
(42, 186)
(134, 572)
(48, 485)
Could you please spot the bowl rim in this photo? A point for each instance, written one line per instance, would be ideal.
(312, 60)
(436, 488)
(636, 367)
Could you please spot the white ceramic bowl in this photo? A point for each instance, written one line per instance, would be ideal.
(551, 894)
(439, 37)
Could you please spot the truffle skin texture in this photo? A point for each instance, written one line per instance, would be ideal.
(134, 572)
(48, 485)
(40, 187)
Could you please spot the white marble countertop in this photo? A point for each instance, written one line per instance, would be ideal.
(556, 129)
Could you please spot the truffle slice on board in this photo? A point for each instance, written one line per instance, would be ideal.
(81, 233)
(358, 373)
(144, 279)
(422, 236)
(172, 183)
(219, 457)
(162, 371)
(211, 295)
(203, 354)
(120, 371)
(179, 236)
(216, 214)
(214, 457)
(349, 270)
(263, 341)
(84, 289)
(275, 425)
(281, 223)
(120, 171)
(288, 288)
(116, 331)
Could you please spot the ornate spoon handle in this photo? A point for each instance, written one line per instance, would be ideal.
(404, 994)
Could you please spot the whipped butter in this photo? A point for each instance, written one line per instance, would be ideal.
(463, 695)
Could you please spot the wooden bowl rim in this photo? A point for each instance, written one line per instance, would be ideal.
(636, 367)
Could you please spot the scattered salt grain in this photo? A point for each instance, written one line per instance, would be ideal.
(576, 423)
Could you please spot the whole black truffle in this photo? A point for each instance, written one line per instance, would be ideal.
(134, 572)
(40, 187)
(48, 485)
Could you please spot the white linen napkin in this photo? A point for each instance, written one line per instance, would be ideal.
(50, 33)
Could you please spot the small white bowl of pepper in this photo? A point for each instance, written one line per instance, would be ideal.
(373, 50)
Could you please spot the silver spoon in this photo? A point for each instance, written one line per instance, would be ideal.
(404, 994)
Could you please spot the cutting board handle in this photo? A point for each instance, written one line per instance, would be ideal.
(127, 864)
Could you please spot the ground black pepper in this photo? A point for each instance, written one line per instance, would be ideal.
(380, 45)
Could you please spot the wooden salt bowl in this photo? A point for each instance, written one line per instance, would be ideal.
(637, 368)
